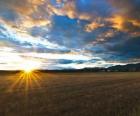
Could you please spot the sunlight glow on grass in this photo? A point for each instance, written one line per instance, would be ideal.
(26, 80)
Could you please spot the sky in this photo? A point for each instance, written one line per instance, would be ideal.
(68, 34)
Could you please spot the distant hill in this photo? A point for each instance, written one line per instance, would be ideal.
(117, 68)
(128, 67)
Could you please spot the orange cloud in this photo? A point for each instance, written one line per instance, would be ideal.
(30, 22)
(69, 9)
(24, 7)
(92, 26)
(105, 36)
(28, 12)
(126, 24)
(126, 17)
(117, 21)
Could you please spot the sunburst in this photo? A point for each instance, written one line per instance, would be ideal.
(27, 78)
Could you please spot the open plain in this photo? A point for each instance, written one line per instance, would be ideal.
(70, 94)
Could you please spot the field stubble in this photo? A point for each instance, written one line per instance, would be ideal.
(71, 94)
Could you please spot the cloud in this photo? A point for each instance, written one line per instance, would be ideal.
(69, 33)
(24, 7)
(48, 60)
(45, 60)
(126, 18)
(23, 14)
(93, 26)
(68, 9)
(100, 13)
(86, 65)
(129, 48)
(25, 39)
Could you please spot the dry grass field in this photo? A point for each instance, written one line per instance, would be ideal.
(70, 94)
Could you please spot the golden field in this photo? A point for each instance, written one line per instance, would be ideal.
(70, 94)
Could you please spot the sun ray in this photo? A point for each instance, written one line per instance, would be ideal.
(26, 81)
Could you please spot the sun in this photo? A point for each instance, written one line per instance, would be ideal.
(29, 66)
(28, 70)
(28, 77)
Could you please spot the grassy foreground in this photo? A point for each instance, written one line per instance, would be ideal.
(70, 94)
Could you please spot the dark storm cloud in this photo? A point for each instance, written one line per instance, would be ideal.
(128, 48)
(128, 8)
